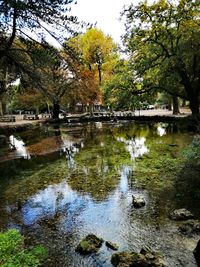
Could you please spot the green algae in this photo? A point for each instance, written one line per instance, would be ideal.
(29, 182)
(90, 244)
(97, 168)
(158, 169)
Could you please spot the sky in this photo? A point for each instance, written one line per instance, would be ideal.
(105, 12)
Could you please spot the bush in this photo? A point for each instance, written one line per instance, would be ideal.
(192, 153)
(14, 254)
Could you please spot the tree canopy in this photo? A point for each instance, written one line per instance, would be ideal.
(163, 41)
(29, 20)
(97, 51)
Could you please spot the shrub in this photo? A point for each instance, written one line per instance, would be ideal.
(192, 153)
(14, 254)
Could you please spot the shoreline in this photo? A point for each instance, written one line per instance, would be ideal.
(143, 115)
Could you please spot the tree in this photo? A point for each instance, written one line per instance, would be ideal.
(12, 64)
(28, 19)
(164, 42)
(96, 50)
(58, 75)
(123, 90)
(17, 17)
(29, 100)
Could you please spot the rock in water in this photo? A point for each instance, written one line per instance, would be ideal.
(111, 245)
(90, 244)
(138, 201)
(181, 214)
(190, 227)
(197, 253)
(145, 258)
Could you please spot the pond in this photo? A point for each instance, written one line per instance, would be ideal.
(60, 183)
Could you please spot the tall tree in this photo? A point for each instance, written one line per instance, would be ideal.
(123, 90)
(28, 19)
(164, 42)
(58, 75)
(96, 49)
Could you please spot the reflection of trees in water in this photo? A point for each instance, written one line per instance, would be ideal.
(97, 169)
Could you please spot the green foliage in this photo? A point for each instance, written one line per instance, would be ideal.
(14, 254)
(20, 57)
(188, 181)
(192, 153)
(123, 90)
(163, 41)
(96, 50)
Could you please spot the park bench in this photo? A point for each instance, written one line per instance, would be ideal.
(44, 115)
(7, 119)
(31, 117)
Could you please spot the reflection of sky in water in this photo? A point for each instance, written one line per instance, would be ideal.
(136, 147)
(61, 198)
(124, 187)
(161, 131)
(48, 201)
(20, 148)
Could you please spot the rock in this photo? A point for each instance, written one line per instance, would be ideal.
(145, 258)
(181, 214)
(111, 245)
(138, 201)
(125, 258)
(90, 244)
(196, 253)
(190, 227)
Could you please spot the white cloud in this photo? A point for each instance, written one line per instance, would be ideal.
(105, 12)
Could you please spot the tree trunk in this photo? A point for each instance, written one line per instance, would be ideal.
(175, 106)
(99, 70)
(192, 90)
(1, 107)
(194, 104)
(56, 110)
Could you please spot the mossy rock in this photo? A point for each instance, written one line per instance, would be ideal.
(181, 214)
(138, 201)
(90, 244)
(145, 258)
(190, 227)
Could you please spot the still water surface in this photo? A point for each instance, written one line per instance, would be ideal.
(61, 183)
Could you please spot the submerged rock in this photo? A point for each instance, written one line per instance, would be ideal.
(181, 214)
(196, 253)
(138, 201)
(145, 258)
(190, 227)
(90, 244)
(111, 245)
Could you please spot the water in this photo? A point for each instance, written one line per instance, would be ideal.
(61, 183)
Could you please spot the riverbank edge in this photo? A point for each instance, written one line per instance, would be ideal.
(187, 122)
